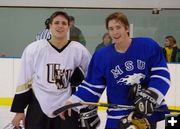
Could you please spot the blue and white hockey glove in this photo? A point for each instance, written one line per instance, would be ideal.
(88, 118)
(145, 103)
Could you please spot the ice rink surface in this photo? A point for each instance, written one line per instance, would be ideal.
(6, 117)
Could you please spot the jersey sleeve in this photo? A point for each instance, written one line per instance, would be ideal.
(23, 90)
(159, 73)
(91, 88)
(85, 60)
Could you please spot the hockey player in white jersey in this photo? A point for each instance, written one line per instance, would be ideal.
(121, 68)
(43, 84)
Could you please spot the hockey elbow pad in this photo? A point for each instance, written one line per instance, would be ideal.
(77, 77)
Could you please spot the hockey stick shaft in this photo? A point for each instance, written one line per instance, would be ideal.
(115, 106)
(56, 112)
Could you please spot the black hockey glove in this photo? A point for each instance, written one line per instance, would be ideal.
(88, 118)
(145, 103)
(77, 77)
(134, 91)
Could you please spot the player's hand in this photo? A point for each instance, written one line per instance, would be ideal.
(17, 119)
(62, 114)
(145, 103)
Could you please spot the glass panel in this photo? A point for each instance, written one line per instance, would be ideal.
(20, 25)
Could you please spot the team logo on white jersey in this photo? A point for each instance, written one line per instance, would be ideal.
(58, 76)
(132, 79)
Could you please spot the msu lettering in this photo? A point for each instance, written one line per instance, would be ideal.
(129, 79)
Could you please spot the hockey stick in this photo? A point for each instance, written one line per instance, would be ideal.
(126, 107)
(56, 112)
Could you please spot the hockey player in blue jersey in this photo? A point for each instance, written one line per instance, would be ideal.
(121, 68)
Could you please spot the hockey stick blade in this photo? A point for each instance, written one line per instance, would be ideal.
(56, 112)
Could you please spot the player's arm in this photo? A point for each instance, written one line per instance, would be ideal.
(89, 90)
(24, 81)
(23, 90)
(159, 74)
(93, 85)
(146, 100)
(80, 72)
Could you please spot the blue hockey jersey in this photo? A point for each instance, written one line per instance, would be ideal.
(143, 63)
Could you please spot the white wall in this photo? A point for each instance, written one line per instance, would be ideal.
(94, 3)
(173, 95)
(9, 70)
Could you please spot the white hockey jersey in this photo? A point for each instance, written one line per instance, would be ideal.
(48, 71)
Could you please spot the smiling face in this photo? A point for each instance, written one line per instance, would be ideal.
(117, 30)
(117, 25)
(59, 27)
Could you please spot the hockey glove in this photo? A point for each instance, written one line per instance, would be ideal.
(130, 122)
(134, 91)
(88, 118)
(77, 77)
(145, 103)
